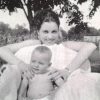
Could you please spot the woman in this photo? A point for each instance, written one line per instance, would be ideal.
(73, 54)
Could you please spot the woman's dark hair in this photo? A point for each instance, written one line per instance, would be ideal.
(44, 16)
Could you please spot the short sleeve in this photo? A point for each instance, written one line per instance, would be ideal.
(25, 53)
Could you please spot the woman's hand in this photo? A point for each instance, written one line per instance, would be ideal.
(64, 74)
(53, 74)
(62, 77)
(57, 76)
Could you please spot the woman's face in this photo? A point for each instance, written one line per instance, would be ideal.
(49, 33)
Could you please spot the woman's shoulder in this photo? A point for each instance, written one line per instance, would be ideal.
(69, 44)
(16, 46)
(28, 44)
(74, 45)
(25, 52)
(31, 42)
(77, 45)
(66, 47)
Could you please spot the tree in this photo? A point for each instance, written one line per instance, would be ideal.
(66, 6)
(93, 7)
(8, 35)
(74, 35)
(93, 32)
(4, 29)
(19, 31)
(30, 6)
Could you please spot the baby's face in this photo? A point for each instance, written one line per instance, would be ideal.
(40, 62)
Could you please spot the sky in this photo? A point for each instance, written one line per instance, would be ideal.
(20, 19)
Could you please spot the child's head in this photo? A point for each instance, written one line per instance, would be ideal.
(41, 59)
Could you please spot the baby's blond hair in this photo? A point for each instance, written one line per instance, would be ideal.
(43, 49)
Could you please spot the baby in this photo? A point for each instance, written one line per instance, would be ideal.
(37, 87)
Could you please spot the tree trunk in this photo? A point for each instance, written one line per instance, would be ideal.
(30, 17)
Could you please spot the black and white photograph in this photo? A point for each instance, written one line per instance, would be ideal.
(49, 49)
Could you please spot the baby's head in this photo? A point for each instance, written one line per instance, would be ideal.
(41, 59)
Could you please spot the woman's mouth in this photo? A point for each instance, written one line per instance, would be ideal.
(36, 69)
(50, 41)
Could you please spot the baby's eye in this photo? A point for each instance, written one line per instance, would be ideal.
(41, 63)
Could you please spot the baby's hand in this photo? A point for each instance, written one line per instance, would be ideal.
(28, 74)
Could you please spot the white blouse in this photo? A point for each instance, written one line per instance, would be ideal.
(61, 55)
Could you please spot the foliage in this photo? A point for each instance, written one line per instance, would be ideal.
(35, 5)
(8, 35)
(74, 35)
(31, 6)
(19, 31)
(94, 5)
(74, 15)
(4, 29)
(93, 31)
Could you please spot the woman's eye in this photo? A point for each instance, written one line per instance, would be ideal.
(54, 32)
(45, 32)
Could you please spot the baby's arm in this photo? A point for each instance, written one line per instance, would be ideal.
(23, 89)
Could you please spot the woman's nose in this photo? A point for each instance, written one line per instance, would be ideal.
(50, 36)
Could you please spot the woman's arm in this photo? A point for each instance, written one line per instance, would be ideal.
(84, 50)
(8, 80)
(23, 89)
(7, 52)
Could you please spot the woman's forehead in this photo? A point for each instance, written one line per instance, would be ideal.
(49, 25)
